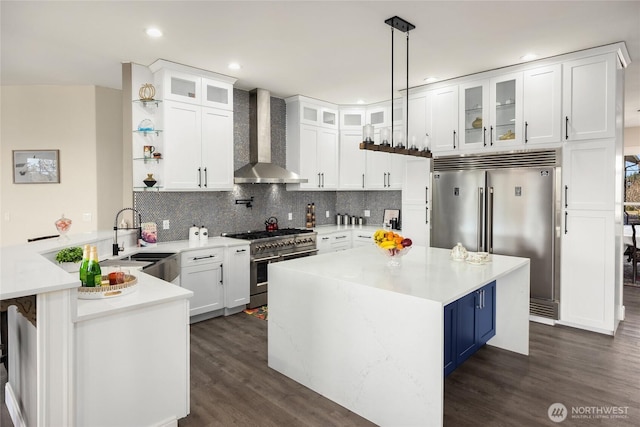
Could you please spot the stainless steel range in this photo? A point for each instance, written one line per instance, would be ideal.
(273, 246)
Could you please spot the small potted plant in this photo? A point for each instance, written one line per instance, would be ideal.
(70, 258)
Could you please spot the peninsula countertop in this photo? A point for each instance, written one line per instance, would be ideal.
(427, 273)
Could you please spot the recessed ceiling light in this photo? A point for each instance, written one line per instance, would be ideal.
(529, 57)
(234, 66)
(360, 102)
(153, 32)
(431, 79)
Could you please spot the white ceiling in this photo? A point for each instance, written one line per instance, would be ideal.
(338, 51)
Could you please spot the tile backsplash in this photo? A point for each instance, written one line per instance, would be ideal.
(219, 212)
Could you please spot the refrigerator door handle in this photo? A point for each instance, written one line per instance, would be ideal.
(479, 216)
(490, 222)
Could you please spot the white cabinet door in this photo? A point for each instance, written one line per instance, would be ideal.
(505, 100)
(541, 104)
(217, 149)
(415, 188)
(379, 115)
(182, 141)
(444, 131)
(217, 94)
(474, 115)
(323, 243)
(329, 117)
(415, 201)
(236, 282)
(588, 98)
(327, 158)
(419, 119)
(309, 139)
(415, 224)
(588, 175)
(206, 283)
(352, 161)
(352, 119)
(309, 114)
(376, 170)
(395, 171)
(587, 271)
(182, 87)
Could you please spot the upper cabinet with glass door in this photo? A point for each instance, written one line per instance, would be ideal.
(491, 113)
(176, 82)
(317, 113)
(506, 111)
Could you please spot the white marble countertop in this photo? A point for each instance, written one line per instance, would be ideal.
(24, 270)
(427, 273)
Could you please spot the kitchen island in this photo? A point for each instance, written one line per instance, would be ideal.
(116, 361)
(370, 337)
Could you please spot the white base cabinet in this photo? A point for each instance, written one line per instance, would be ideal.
(236, 277)
(333, 242)
(201, 273)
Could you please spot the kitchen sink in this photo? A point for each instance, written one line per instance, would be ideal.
(148, 256)
(163, 265)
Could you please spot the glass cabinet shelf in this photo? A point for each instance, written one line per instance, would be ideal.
(147, 132)
(150, 104)
(147, 159)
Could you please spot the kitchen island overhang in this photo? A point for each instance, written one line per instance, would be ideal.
(371, 338)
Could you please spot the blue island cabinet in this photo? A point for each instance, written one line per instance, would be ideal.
(469, 323)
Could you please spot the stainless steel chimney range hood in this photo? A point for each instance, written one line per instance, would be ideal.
(260, 170)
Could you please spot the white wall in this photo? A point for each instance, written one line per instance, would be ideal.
(85, 124)
(632, 141)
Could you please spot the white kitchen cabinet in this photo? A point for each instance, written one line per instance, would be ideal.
(491, 113)
(444, 124)
(542, 104)
(198, 147)
(333, 242)
(362, 238)
(236, 277)
(312, 143)
(352, 161)
(415, 201)
(587, 293)
(588, 98)
(588, 175)
(177, 82)
(318, 159)
(352, 119)
(384, 171)
(201, 273)
(419, 119)
(379, 115)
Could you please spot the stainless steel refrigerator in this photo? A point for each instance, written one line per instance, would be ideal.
(505, 211)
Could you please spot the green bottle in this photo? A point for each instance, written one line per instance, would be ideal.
(94, 274)
(84, 264)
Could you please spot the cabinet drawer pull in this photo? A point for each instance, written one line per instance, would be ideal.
(566, 127)
(197, 258)
(206, 177)
(526, 132)
(566, 202)
(222, 274)
(565, 223)
(454, 139)
(240, 250)
(199, 177)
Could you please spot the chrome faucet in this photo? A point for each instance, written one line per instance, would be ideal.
(116, 248)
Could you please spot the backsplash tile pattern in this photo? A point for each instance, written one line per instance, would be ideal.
(218, 211)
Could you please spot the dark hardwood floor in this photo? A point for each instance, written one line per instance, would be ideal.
(232, 385)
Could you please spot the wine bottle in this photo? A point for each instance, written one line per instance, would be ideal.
(94, 273)
(84, 264)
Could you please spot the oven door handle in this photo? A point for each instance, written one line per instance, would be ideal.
(269, 258)
(310, 251)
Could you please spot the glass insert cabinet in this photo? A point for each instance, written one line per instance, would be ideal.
(491, 112)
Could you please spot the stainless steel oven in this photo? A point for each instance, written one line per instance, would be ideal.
(274, 246)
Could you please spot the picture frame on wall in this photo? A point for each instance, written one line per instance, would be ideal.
(36, 166)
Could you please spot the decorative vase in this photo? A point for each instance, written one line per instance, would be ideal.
(147, 92)
(477, 123)
(150, 181)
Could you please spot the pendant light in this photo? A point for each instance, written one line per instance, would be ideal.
(397, 23)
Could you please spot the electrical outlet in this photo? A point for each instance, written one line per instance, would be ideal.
(367, 213)
(165, 224)
(327, 214)
(86, 217)
(290, 216)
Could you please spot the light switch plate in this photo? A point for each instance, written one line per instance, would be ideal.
(367, 213)
(327, 214)
(290, 216)
(165, 224)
